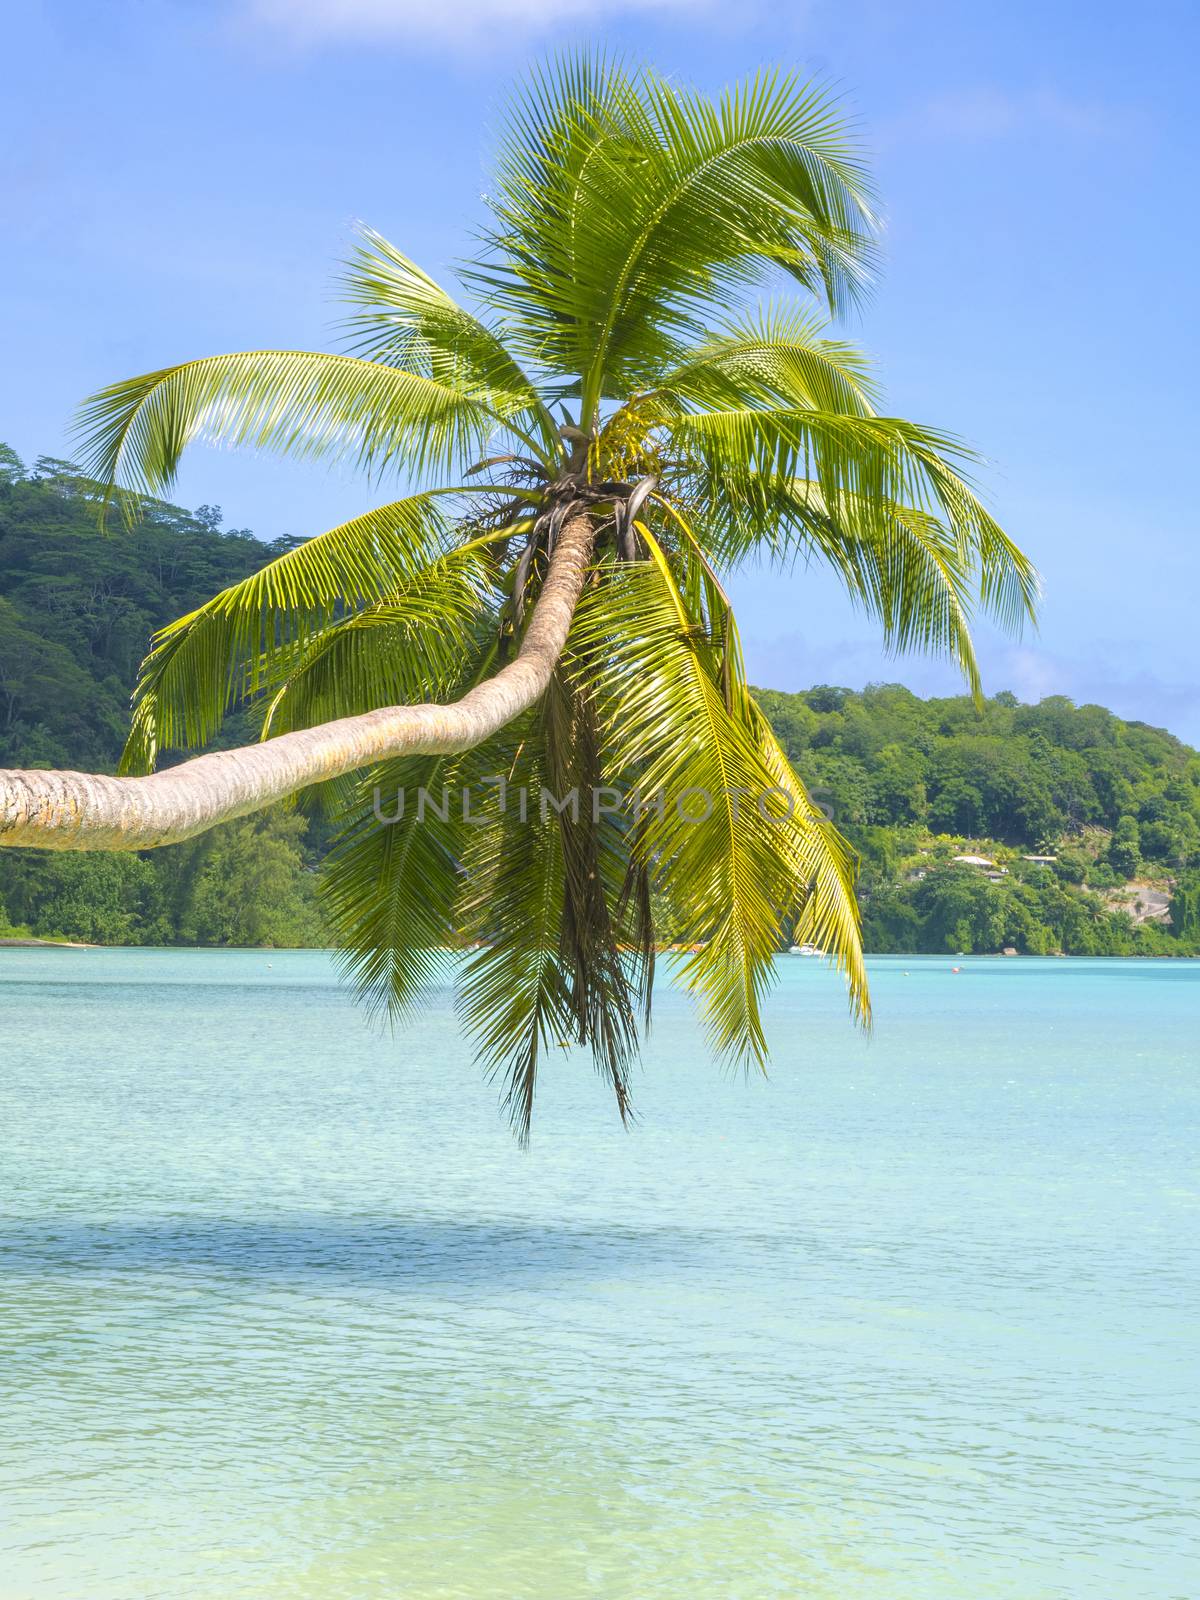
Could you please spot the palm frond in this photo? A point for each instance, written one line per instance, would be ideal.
(393, 880)
(307, 405)
(736, 873)
(822, 860)
(765, 476)
(562, 911)
(514, 989)
(403, 318)
(767, 176)
(626, 205)
(403, 650)
(245, 638)
(780, 356)
(912, 575)
(390, 883)
(607, 967)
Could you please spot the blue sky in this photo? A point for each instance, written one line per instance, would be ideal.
(180, 178)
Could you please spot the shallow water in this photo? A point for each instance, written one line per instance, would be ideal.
(284, 1313)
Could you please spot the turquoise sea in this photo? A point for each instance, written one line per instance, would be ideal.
(285, 1313)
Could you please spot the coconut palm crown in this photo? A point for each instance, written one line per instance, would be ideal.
(632, 410)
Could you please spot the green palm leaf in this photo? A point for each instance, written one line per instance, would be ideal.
(395, 652)
(403, 318)
(308, 405)
(245, 638)
(389, 889)
(760, 474)
(764, 177)
(514, 990)
(624, 203)
(822, 861)
(737, 874)
(392, 883)
(561, 912)
(779, 356)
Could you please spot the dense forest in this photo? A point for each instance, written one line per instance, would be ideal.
(1082, 830)
(77, 608)
(1111, 807)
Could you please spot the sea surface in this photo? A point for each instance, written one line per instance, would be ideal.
(284, 1312)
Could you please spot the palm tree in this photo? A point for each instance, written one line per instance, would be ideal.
(618, 426)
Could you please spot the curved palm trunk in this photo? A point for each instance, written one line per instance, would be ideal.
(78, 811)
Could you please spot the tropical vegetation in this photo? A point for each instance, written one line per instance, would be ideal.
(1083, 830)
(630, 409)
(911, 783)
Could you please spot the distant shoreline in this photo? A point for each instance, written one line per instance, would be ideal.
(61, 944)
(665, 950)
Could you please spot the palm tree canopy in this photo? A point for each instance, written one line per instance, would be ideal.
(632, 366)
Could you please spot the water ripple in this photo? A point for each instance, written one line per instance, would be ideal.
(283, 1314)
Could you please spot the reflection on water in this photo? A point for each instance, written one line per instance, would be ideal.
(372, 1249)
(283, 1313)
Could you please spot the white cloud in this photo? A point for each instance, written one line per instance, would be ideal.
(987, 112)
(479, 24)
(1105, 672)
(1106, 675)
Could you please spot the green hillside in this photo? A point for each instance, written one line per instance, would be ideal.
(916, 783)
(913, 783)
(76, 610)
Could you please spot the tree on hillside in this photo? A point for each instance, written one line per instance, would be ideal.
(615, 427)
